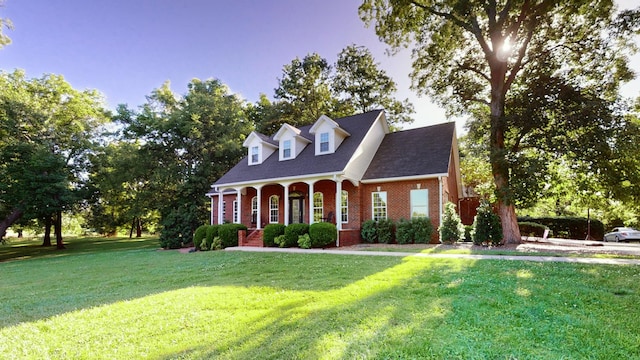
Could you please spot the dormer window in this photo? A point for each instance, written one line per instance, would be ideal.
(255, 154)
(259, 148)
(324, 142)
(328, 135)
(286, 149)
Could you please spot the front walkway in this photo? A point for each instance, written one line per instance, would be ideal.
(580, 260)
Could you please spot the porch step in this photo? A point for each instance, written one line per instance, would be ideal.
(253, 238)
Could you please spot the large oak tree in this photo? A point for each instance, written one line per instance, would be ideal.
(471, 55)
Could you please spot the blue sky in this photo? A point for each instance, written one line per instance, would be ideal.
(127, 48)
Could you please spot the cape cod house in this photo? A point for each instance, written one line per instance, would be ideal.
(344, 171)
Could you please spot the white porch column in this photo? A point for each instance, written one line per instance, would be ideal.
(338, 204)
(259, 200)
(211, 220)
(220, 201)
(239, 202)
(286, 203)
(310, 202)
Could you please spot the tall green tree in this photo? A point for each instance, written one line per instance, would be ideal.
(471, 55)
(361, 82)
(47, 127)
(304, 92)
(4, 24)
(186, 143)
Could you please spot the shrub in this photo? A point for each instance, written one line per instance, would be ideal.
(404, 232)
(216, 243)
(304, 241)
(178, 227)
(531, 229)
(569, 227)
(486, 226)
(322, 234)
(451, 229)
(422, 230)
(468, 230)
(199, 236)
(292, 232)
(212, 232)
(369, 231)
(228, 233)
(280, 240)
(270, 232)
(386, 230)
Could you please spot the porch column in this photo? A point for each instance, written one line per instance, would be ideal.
(211, 219)
(338, 204)
(310, 202)
(239, 202)
(259, 200)
(220, 201)
(286, 204)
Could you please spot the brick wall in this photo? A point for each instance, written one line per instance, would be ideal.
(399, 202)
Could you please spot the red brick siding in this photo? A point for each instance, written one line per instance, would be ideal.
(398, 200)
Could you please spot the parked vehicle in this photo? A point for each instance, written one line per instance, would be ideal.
(622, 234)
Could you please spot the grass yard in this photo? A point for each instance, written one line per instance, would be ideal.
(123, 299)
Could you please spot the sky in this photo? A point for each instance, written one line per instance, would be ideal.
(127, 48)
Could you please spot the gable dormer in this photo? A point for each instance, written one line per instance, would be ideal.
(328, 135)
(290, 142)
(259, 147)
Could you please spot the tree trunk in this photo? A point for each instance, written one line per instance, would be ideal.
(133, 224)
(14, 216)
(47, 231)
(58, 231)
(498, 156)
(139, 228)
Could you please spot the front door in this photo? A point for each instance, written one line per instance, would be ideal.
(296, 213)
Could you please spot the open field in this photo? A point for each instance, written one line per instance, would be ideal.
(124, 299)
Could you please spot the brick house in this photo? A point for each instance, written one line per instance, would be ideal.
(343, 171)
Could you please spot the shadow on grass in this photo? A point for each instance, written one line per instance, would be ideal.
(22, 249)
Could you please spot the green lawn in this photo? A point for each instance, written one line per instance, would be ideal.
(123, 299)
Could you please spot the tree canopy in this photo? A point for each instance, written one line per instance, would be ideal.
(495, 59)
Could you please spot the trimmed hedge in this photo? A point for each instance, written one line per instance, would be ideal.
(422, 230)
(404, 232)
(531, 229)
(292, 233)
(568, 227)
(212, 233)
(228, 234)
(322, 234)
(270, 232)
(369, 231)
(199, 235)
(386, 231)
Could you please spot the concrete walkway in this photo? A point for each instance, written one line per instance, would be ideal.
(579, 260)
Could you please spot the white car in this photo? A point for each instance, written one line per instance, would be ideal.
(622, 234)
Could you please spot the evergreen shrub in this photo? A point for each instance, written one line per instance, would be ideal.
(322, 234)
(386, 231)
(292, 232)
(422, 230)
(228, 233)
(486, 226)
(270, 232)
(369, 231)
(404, 232)
(451, 229)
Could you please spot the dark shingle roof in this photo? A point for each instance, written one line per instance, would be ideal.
(415, 152)
(306, 163)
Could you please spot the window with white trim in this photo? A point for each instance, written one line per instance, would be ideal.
(344, 206)
(254, 154)
(324, 142)
(419, 203)
(379, 205)
(254, 209)
(274, 209)
(286, 149)
(236, 220)
(318, 212)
